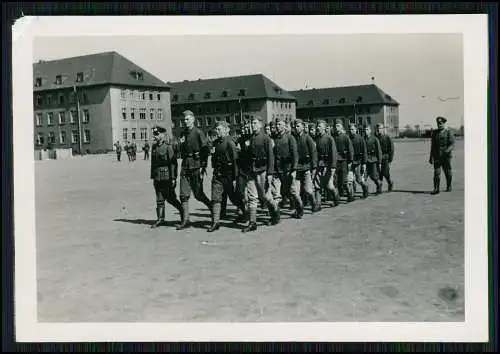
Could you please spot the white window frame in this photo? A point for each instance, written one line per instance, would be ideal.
(86, 138)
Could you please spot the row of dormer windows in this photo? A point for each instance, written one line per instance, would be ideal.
(328, 101)
(136, 74)
(210, 95)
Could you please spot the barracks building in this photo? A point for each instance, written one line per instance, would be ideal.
(100, 99)
(363, 105)
(233, 99)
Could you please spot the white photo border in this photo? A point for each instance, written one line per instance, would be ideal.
(474, 29)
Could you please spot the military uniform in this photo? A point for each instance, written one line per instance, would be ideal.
(387, 147)
(345, 155)
(327, 162)
(359, 162)
(118, 151)
(225, 172)
(306, 167)
(261, 165)
(145, 148)
(442, 144)
(373, 160)
(194, 150)
(164, 176)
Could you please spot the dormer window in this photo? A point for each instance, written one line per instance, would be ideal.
(58, 80)
(359, 99)
(175, 98)
(342, 100)
(79, 77)
(208, 95)
(224, 93)
(326, 101)
(137, 75)
(38, 82)
(310, 102)
(243, 92)
(191, 97)
(278, 90)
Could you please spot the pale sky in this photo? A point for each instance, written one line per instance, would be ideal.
(415, 69)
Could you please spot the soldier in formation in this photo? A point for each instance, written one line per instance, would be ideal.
(387, 147)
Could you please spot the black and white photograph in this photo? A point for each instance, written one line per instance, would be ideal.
(251, 178)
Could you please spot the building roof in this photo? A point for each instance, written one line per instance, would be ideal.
(342, 96)
(108, 68)
(227, 88)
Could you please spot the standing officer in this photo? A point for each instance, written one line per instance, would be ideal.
(164, 174)
(345, 154)
(387, 146)
(145, 148)
(118, 151)
(327, 163)
(260, 175)
(442, 144)
(359, 161)
(134, 150)
(285, 168)
(194, 151)
(225, 169)
(306, 167)
(373, 158)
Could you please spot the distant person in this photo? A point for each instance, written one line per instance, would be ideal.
(373, 159)
(442, 144)
(118, 147)
(387, 147)
(128, 150)
(145, 148)
(358, 168)
(345, 156)
(134, 150)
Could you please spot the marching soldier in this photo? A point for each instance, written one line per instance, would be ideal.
(128, 150)
(145, 148)
(133, 149)
(164, 174)
(260, 177)
(373, 158)
(285, 168)
(387, 146)
(327, 163)
(194, 151)
(118, 151)
(244, 166)
(306, 167)
(442, 144)
(345, 154)
(225, 172)
(358, 168)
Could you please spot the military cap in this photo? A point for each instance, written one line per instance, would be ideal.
(298, 121)
(280, 119)
(320, 121)
(339, 121)
(188, 113)
(222, 123)
(158, 129)
(259, 118)
(441, 120)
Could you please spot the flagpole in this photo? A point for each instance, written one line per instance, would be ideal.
(80, 146)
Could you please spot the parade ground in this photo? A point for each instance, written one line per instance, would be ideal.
(397, 257)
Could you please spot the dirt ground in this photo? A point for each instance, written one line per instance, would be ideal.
(388, 258)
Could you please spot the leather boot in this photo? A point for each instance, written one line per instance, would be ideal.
(252, 225)
(336, 197)
(185, 217)
(160, 217)
(350, 193)
(318, 200)
(437, 183)
(314, 204)
(365, 191)
(379, 187)
(216, 209)
(448, 184)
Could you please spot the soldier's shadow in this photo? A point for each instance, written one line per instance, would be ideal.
(169, 223)
(410, 191)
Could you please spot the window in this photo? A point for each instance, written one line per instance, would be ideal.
(50, 118)
(142, 113)
(132, 113)
(281, 105)
(160, 114)
(39, 139)
(49, 99)
(58, 80)
(125, 134)
(123, 94)
(208, 95)
(143, 96)
(144, 133)
(326, 101)
(79, 77)
(151, 96)
(62, 137)
(159, 96)
(86, 116)
(74, 136)
(151, 113)
(228, 119)
(310, 103)
(342, 100)
(61, 98)
(224, 93)
(360, 120)
(38, 82)
(86, 136)
(368, 120)
(133, 133)
(359, 99)
(209, 121)
(72, 97)
(51, 139)
(237, 119)
(85, 97)
(191, 97)
(38, 100)
(72, 117)
(175, 98)
(131, 94)
(39, 119)
(242, 92)
(62, 118)
(124, 113)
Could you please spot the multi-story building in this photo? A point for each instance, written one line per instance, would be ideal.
(363, 105)
(230, 98)
(92, 101)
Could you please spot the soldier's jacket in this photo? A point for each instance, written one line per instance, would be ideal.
(387, 147)
(359, 149)
(225, 158)
(163, 162)
(118, 148)
(373, 150)
(345, 151)
(285, 153)
(244, 154)
(194, 149)
(308, 156)
(261, 154)
(442, 143)
(327, 151)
